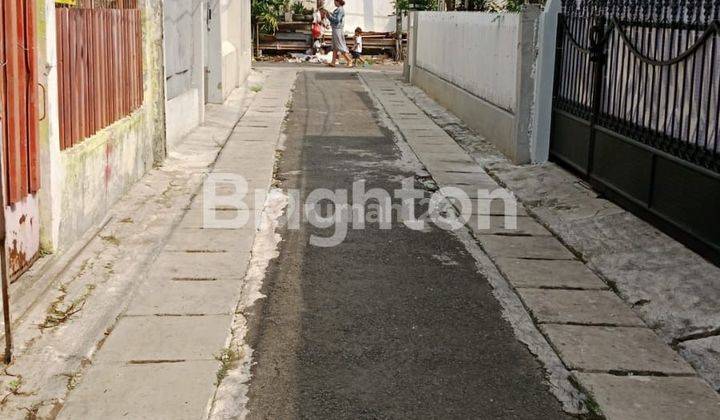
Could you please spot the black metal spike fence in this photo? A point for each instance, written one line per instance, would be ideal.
(660, 78)
(636, 109)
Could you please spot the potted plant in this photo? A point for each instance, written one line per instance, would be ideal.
(298, 10)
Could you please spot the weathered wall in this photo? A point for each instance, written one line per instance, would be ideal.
(24, 222)
(94, 174)
(184, 37)
(49, 133)
(481, 67)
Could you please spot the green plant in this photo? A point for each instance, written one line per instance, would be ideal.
(228, 359)
(298, 8)
(417, 4)
(265, 13)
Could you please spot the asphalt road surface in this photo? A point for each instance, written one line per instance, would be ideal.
(390, 323)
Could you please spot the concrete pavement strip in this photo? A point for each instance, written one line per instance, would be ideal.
(670, 287)
(156, 331)
(539, 262)
(148, 317)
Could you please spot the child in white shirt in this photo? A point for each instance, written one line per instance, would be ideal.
(357, 48)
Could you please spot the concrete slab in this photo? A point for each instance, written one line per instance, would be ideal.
(244, 166)
(549, 274)
(444, 165)
(212, 240)
(467, 178)
(221, 218)
(438, 149)
(704, 355)
(253, 200)
(477, 191)
(445, 161)
(588, 307)
(199, 266)
(495, 225)
(156, 391)
(535, 247)
(168, 297)
(624, 349)
(496, 207)
(651, 397)
(165, 338)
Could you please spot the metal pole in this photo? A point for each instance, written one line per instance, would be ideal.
(4, 280)
(398, 32)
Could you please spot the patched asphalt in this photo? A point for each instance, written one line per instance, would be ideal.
(390, 323)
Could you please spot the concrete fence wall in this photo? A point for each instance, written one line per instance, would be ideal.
(208, 50)
(484, 67)
(370, 15)
(229, 64)
(184, 37)
(81, 183)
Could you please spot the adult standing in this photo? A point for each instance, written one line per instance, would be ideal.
(319, 23)
(337, 23)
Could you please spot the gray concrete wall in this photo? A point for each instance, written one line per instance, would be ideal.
(184, 37)
(228, 47)
(544, 82)
(481, 67)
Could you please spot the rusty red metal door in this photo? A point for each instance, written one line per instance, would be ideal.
(19, 131)
(20, 100)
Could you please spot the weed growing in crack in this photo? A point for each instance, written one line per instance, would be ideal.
(13, 388)
(58, 313)
(111, 239)
(256, 88)
(14, 385)
(228, 358)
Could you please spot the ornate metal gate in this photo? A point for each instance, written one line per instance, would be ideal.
(636, 109)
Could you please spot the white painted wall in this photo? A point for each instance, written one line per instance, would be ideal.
(184, 38)
(49, 135)
(370, 15)
(475, 51)
(228, 47)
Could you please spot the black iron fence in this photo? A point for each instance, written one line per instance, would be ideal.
(636, 108)
(660, 79)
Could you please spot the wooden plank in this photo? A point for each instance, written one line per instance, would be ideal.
(117, 87)
(65, 76)
(127, 88)
(33, 174)
(105, 66)
(82, 75)
(89, 63)
(74, 82)
(21, 143)
(98, 59)
(3, 97)
(140, 76)
(60, 58)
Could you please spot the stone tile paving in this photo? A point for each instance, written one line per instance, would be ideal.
(607, 360)
(672, 289)
(180, 318)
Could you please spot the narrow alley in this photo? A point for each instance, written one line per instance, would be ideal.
(361, 209)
